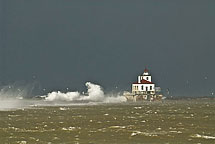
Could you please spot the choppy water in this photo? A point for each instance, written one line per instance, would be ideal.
(173, 122)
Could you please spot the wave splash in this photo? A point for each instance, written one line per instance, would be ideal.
(94, 94)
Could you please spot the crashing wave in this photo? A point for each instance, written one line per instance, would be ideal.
(94, 94)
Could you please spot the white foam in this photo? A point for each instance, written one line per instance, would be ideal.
(117, 127)
(94, 93)
(69, 96)
(144, 134)
(202, 136)
(13, 97)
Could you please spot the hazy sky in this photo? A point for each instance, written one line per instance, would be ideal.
(66, 43)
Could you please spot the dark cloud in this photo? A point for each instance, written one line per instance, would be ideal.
(66, 43)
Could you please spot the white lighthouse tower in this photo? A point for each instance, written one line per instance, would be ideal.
(146, 76)
(144, 84)
(143, 89)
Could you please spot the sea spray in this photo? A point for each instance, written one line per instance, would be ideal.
(19, 90)
(17, 96)
(69, 96)
(94, 93)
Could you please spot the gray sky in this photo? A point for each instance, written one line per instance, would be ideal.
(66, 43)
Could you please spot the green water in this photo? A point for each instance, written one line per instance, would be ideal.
(173, 122)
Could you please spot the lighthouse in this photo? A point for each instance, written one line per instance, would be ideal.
(143, 89)
(144, 84)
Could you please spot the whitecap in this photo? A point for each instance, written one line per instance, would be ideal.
(202, 136)
(117, 127)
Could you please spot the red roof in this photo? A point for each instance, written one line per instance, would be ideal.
(143, 82)
(146, 70)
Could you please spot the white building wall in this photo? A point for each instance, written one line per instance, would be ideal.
(146, 73)
(147, 87)
(139, 79)
(138, 87)
(148, 78)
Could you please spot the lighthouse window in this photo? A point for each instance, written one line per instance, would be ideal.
(142, 87)
(150, 87)
(147, 78)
